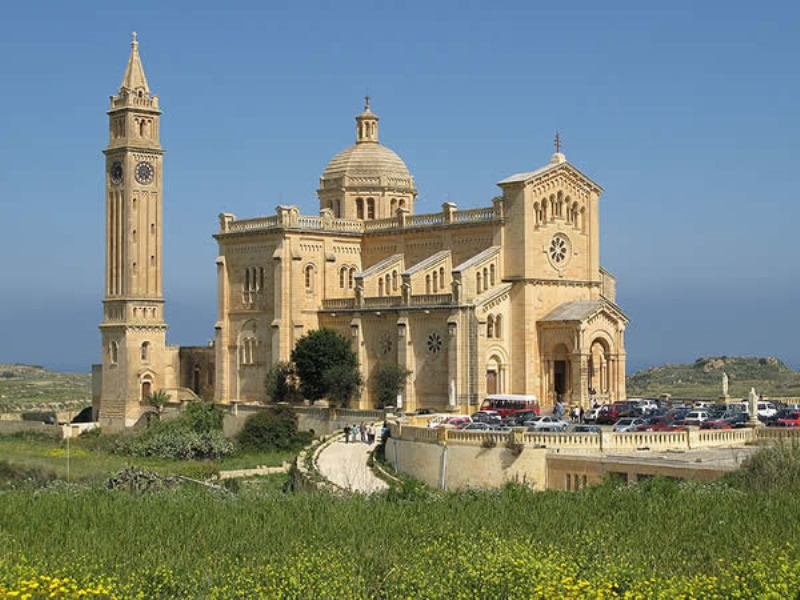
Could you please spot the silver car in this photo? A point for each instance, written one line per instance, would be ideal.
(627, 424)
(546, 423)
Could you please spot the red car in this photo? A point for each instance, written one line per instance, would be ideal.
(660, 425)
(716, 424)
(791, 419)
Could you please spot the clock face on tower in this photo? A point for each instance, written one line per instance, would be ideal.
(116, 172)
(144, 172)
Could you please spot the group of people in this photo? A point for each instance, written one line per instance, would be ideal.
(359, 433)
(575, 414)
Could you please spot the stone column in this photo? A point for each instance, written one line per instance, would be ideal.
(405, 359)
(357, 341)
(453, 386)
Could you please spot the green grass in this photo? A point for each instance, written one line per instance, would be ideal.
(29, 385)
(90, 461)
(487, 544)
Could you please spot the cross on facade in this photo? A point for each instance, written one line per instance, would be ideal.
(557, 141)
(366, 102)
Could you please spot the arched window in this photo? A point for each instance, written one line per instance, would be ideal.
(370, 208)
(309, 277)
(402, 203)
(145, 351)
(490, 327)
(485, 278)
(359, 208)
(543, 208)
(441, 277)
(394, 281)
(394, 205)
(491, 274)
(478, 282)
(351, 278)
(435, 282)
(261, 278)
(388, 284)
(380, 286)
(428, 283)
(113, 353)
(342, 273)
(498, 327)
(247, 279)
(536, 213)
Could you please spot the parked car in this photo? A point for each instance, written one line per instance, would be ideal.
(627, 424)
(477, 426)
(518, 418)
(645, 405)
(457, 421)
(546, 423)
(586, 429)
(766, 410)
(715, 424)
(702, 405)
(487, 416)
(590, 416)
(611, 413)
(659, 424)
(789, 418)
(695, 417)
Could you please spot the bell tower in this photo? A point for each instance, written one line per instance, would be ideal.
(135, 361)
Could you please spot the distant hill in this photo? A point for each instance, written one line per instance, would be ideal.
(703, 378)
(32, 386)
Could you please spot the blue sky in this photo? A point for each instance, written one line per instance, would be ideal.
(686, 113)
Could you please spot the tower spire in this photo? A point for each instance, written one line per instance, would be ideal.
(134, 78)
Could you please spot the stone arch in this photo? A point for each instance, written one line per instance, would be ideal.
(599, 361)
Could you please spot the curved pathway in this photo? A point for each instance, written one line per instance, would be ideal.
(345, 464)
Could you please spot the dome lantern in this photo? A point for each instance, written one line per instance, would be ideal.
(367, 125)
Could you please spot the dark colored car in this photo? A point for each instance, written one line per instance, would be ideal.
(717, 423)
(585, 429)
(787, 418)
(660, 424)
(518, 418)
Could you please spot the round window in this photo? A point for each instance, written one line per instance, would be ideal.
(434, 343)
(559, 250)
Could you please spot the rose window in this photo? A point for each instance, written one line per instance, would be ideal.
(434, 343)
(559, 250)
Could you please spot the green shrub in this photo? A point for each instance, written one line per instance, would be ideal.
(175, 439)
(272, 429)
(279, 382)
(203, 417)
(389, 381)
(771, 468)
(342, 382)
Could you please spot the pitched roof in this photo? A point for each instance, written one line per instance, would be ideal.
(424, 264)
(577, 310)
(380, 265)
(479, 257)
(557, 162)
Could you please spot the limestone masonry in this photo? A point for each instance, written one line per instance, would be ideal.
(509, 298)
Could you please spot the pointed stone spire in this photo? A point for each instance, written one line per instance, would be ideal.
(134, 78)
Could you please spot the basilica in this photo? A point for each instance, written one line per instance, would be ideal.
(507, 298)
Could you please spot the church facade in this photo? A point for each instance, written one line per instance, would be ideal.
(507, 298)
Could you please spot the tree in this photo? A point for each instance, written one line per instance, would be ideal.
(279, 382)
(389, 379)
(314, 354)
(157, 400)
(342, 383)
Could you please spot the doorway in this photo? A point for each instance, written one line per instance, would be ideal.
(491, 382)
(146, 390)
(560, 378)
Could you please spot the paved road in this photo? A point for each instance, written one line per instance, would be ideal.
(346, 466)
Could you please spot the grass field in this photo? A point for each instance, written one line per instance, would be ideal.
(656, 539)
(29, 385)
(89, 461)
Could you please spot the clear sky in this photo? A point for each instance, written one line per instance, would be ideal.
(687, 114)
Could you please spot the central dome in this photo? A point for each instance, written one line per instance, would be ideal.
(366, 181)
(366, 160)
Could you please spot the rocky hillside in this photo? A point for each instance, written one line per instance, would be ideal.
(34, 387)
(703, 378)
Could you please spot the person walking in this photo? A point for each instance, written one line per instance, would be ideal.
(581, 414)
(355, 432)
(347, 434)
(363, 433)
